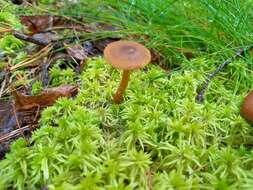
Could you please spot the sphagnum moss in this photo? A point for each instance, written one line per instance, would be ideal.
(158, 135)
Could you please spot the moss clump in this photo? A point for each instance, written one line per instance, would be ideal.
(157, 137)
(62, 76)
(10, 44)
(37, 87)
(10, 19)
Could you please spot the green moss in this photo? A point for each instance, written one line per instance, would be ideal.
(10, 44)
(62, 76)
(37, 87)
(158, 135)
(10, 19)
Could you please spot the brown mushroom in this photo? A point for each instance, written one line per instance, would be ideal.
(247, 107)
(126, 56)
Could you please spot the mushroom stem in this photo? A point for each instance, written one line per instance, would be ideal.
(122, 87)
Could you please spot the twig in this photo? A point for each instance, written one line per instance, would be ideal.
(16, 132)
(27, 62)
(31, 39)
(241, 52)
(37, 113)
(6, 30)
(2, 87)
(55, 43)
(6, 81)
(16, 118)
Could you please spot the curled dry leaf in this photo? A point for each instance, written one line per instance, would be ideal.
(9, 123)
(101, 44)
(46, 98)
(21, 116)
(77, 52)
(40, 23)
(46, 37)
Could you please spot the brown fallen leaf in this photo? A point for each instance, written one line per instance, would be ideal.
(46, 37)
(77, 52)
(40, 23)
(101, 44)
(46, 98)
(12, 126)
(20, 117)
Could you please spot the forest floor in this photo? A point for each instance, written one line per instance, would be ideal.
(179, 125)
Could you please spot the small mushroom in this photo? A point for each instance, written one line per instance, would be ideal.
(126, 56)
(247, 107)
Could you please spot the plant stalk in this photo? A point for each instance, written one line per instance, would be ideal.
(122, 87)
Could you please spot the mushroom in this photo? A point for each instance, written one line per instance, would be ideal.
(247, 107)
(126, 56)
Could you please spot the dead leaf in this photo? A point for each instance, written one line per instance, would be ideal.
(7, 119)
(40, 23)
(21, 116)
(101, 44)
(77, 52)
(46, 98)
(46, 37)
(8, 125)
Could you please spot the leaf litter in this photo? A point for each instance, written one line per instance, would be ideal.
(19, 113)
(22, 114)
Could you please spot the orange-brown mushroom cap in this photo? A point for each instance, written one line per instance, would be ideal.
(127, 55)
(247, 107)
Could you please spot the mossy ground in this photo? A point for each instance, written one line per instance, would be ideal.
(159, 136)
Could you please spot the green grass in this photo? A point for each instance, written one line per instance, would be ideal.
(175, 28)
(159, 136)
